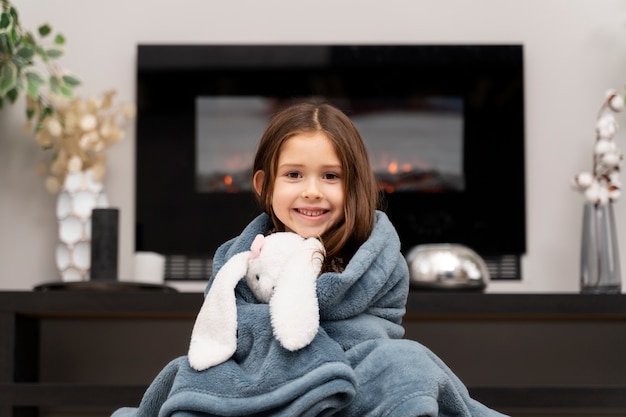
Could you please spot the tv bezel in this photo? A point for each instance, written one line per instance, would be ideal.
(488, 216)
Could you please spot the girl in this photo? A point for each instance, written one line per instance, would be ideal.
(312, 176)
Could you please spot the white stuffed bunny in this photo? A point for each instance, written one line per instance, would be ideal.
(281, 269)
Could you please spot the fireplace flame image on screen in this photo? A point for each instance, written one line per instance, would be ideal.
(411, 148)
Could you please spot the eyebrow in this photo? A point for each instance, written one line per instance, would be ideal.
(293, 165)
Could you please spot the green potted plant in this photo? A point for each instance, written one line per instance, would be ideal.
(75, 131)
(22, 55)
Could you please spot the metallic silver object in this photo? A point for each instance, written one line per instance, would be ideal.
(446, 266)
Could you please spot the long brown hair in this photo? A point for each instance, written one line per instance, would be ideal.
(359, 184)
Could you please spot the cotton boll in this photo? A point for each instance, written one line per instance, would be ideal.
(614, 179)
(611, 159)
(583, 180)
(603, 146)
(604, 196)
(616, 103)
(597, 194)
(606, 126)
(592, 193)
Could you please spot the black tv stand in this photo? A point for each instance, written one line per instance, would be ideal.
(21, 313)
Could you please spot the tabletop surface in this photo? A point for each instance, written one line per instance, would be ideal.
(460, 305)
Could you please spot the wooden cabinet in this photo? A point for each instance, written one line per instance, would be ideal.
(22, 314)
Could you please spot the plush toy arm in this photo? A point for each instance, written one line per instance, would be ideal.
(214, 334)
(293, 307)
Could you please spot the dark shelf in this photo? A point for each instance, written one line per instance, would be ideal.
(579, 398)
(105, 304)
(61, 394)
(420, 305)
(22, 311)
(469, 306)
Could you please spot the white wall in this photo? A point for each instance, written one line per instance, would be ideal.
(574, 51)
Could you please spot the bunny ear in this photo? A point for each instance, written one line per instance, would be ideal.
(214, 334)
(257, 246)
(294, 307)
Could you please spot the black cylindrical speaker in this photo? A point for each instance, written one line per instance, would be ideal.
(104, 242)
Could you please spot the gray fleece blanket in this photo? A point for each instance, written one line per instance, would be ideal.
(356, 366)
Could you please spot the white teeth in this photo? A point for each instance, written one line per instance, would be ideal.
(311, 213)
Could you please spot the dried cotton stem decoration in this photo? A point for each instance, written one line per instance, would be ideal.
(77, 133)
(602, 185)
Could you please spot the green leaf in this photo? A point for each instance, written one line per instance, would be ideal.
(33, 76)
(19, 84)
(8, 77)
(15, 37)
(13, 13)
(29, 40)
(20, 62)
(25, 52)
(54, 84)
(34, 82)
(12, 95)
(47, 111)
(42, 53)
(59, 39)
(71, 81)
(6, 45)
(5, 21)
(54, 53)
(66, 91)
(44, 30)
(30, 112)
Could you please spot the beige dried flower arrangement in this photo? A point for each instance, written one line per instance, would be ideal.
(77, 133)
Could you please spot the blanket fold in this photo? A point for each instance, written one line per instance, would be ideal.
(356, 366)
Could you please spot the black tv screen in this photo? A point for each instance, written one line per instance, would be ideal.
(444, 126)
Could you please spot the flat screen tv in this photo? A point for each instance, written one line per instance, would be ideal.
(444, 126)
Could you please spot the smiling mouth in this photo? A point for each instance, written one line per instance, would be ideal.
(311, 213)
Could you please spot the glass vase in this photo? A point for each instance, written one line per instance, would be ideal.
(599, 256)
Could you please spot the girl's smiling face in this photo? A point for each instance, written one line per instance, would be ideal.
(308, 195)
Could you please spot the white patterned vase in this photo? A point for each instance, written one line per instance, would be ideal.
(79, 195)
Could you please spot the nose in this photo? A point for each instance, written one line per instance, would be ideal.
(312, 190)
